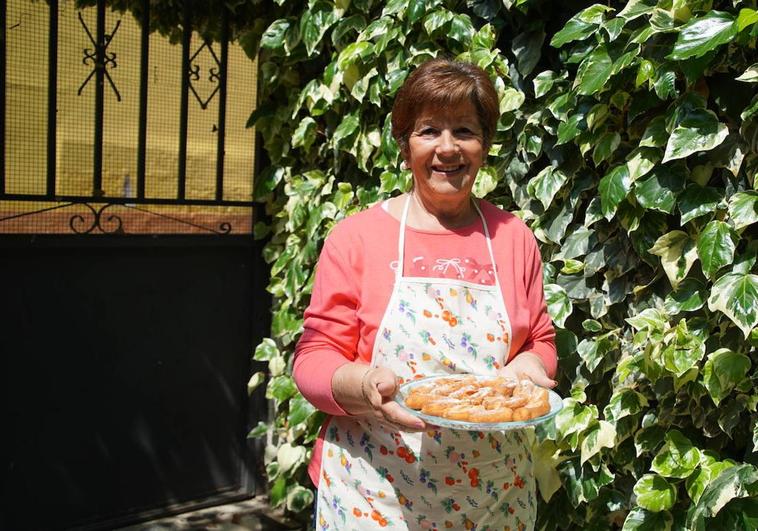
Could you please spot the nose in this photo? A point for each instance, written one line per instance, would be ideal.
(447, 144)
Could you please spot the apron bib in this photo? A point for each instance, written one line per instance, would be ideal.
(375, 477)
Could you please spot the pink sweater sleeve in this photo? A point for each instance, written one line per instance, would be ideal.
(330, 334)
(541, 340)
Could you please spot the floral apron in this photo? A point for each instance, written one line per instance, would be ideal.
(374, 477)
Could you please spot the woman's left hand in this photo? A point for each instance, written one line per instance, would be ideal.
(530, 366)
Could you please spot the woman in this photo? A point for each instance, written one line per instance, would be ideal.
(430, 282)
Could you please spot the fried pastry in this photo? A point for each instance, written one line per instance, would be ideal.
(471, 399)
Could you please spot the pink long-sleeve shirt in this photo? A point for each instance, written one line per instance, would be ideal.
(355, 276)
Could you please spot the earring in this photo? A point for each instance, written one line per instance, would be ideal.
(403, 165)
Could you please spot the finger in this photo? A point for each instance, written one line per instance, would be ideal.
(394, 414)
(539, 378)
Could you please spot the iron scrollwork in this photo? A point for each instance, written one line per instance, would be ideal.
(96, 219)
(91, 56)
(214, 74)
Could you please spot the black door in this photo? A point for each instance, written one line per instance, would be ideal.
(132, 291)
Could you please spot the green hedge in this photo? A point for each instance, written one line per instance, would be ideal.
(628, 141)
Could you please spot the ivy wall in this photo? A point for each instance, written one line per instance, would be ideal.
(628, 141)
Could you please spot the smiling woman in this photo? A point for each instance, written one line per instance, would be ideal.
(381, 270)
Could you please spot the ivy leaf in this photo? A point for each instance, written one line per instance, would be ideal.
(688, 296)
(582, 483)
(736, 296)
(486, 181)
(605, 147)
(722, 371)
(436, 20)
(266, 350)
(648, 439)
(571, 128)
(637, 8)
(648, 319)
(290, 457)
(715, 247)
(665, 83)
(639, 519)
(655, 134)
(732, 483)
(558, 304)
(678, 457)
(659, 191)
(624, 402)
(305, 134)
(684, 350)
(543, 82)
(511, 100)
(273, 37)
(701, 35)
(602, 435)
(298, 499)
(314, 24)
(743, 209)
(750, 75)
(346, 131)
(678, 253)
(255, 381)
(613, 189)
(527, 48)
(594, 72)
(546, 184)
(577, 244)
(700, 130)
(299, 410)
(580, 26)
(746, 17)
(280, 388)
(416, 10)
(697, 201)
(461, 29)
(654, 493)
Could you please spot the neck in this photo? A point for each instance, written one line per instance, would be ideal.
(435, 215)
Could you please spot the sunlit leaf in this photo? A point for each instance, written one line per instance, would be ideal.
(558, 303)
(678, 457)
(613, 189)
(654, 493)
(639, 519)
(601, 436)
(743, 209)
(678, 252)
(698, 201)
(701, 35)
(722, 371)
(736, 296)
(715, 247)
(699, 131)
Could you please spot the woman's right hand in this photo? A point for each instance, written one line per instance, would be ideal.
(368, 391)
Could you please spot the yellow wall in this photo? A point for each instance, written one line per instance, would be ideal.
(26, 114)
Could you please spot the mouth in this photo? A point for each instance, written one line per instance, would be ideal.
(448, 169)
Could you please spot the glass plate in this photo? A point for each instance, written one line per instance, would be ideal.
(556, 404)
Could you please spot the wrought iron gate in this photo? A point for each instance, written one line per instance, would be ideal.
(132, 290)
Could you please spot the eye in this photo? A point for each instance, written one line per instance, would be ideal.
(427, 131)
(465, 132)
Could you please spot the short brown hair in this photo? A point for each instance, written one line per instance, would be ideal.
(443, 82)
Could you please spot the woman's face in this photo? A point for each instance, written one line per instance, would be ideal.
(445, 151)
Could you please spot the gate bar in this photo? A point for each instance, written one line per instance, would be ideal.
(222, 105)
(97, 178)
(3, 23)
(183, 111)
(142, 135)
(52, 97)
